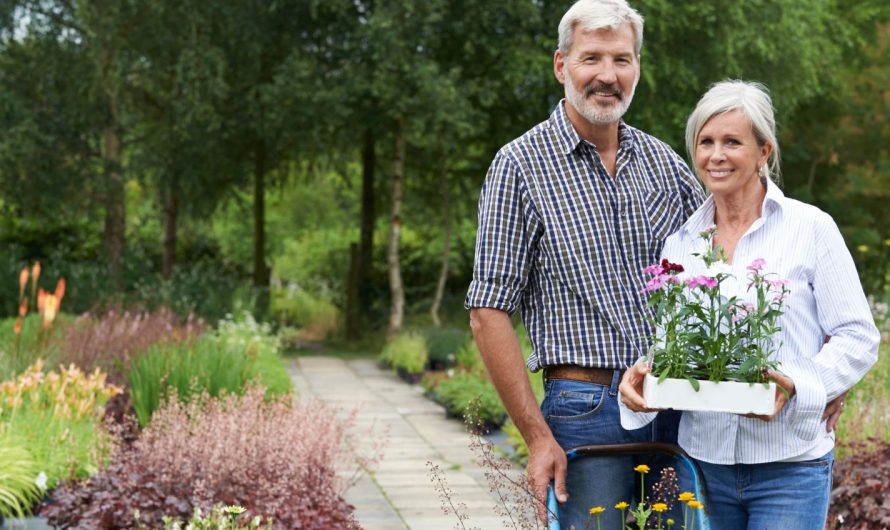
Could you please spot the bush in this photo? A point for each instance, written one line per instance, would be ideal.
(219, 518)
(458, 393)
(469, 358)
(860, 499)
(18, 474)
(57, 417)
(442, 345)
(275, 458)
(19, 351)
(406, 352)
(109, 341)
(317, 318)
(185, 370)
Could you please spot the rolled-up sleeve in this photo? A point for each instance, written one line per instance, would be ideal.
(843, 313)
(805, 409)
(505, 239)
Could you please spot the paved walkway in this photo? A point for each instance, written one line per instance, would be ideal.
(399, 494)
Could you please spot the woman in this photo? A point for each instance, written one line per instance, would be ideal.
(768, 471)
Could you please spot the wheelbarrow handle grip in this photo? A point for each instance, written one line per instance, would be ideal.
(552, 509)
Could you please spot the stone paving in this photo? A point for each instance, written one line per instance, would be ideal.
(399, 494)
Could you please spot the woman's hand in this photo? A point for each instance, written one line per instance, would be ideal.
(782, 382)
(631, 388)
(833, 411)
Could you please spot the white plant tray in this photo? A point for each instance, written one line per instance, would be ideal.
(725, 396)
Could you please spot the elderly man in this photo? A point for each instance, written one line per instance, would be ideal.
(569, 214)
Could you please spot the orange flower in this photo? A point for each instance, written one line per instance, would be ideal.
(23, 281)
(23, 306)
(50, 309)
(35, 272)
(60, 290)
(41, 297)
(17, 327)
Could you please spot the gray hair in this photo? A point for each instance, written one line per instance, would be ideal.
(753, 101)
(599, 14)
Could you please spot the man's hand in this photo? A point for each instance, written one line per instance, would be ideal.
(631, 388)
(833, 411)
(546, 462)
(782, 381)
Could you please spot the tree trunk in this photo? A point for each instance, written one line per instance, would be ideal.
(115, 203)
(261, 272)
(446, 245)
(353, 310)
(396, 289)
(171, 211)
(366, 246)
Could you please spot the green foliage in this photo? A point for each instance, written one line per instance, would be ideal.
(408, 351)
(317, 318)
(865, 414)
(260, 344)
(469, 358)
(219, 518)
(459, 393)
(17, 352)
(18, 471)
(443, 344)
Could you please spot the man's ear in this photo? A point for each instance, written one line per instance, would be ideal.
(558, 65)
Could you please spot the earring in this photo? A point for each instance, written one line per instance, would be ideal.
(762, 172)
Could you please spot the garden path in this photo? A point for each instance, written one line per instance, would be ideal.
(399, 494)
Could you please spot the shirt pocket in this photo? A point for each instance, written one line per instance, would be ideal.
(663, 212)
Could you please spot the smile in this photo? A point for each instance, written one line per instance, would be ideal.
(720, 173)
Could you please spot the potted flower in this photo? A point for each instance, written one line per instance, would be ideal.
(711, 351)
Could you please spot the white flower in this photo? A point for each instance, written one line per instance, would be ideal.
(41, 481)
(718, 267)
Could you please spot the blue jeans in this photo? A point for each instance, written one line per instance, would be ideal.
(773, 496)
(581, 413)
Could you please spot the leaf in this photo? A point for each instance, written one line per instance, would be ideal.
(694, 383)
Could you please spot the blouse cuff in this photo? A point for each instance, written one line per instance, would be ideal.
(805, 409)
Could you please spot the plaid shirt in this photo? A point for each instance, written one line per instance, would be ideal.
(565, 243)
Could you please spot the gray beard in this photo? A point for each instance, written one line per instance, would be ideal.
(593, 113)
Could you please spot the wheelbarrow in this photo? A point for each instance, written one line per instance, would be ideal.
(682, 460)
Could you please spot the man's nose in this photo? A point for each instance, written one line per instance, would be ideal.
(607, 73)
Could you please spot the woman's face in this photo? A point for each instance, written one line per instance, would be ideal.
(728, 157)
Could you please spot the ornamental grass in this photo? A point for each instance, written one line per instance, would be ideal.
(276, 458)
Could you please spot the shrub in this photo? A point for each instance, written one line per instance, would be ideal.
(317, 318)
(219, 518)
(185, 370)
(860, 499)
(469, 358)
(57, 417)
(20, 350)
(406, 352)
(458, 393)
(109, 341)
(18, 474)
(275, 458)
(442, 345)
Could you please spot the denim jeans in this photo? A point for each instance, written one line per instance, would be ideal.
(771, 496)
(581, 413)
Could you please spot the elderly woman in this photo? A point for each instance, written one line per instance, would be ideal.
(768, 472)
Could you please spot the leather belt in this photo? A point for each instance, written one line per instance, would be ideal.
(598, 376)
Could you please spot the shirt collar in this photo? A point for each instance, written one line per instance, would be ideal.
(569, 139)
(703, 218)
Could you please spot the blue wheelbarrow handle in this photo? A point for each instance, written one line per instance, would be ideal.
(552, 509)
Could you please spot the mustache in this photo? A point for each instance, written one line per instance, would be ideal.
(602, 88)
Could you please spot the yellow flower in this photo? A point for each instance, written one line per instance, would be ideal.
(862, 248)
(659, 507)
(596, 510)
(695, 504)
(622, 505)
(670, 522)
(642, 468)
(686, 496)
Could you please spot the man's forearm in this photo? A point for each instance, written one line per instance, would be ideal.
(504, 361)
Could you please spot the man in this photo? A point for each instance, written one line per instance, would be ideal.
(569, 214)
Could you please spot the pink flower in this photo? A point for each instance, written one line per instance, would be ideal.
(654, 269)
(705, 281)
(757, 265)
(654, 284)
(777, 283)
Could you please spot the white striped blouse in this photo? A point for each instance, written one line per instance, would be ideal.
(802, 244)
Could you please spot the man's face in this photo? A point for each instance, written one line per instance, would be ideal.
(600, 73)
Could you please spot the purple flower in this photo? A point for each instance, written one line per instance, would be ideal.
(757, 265)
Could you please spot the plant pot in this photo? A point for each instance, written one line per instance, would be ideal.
(28, 523)
(725, 396)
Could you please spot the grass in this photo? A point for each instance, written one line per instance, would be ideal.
(867, 411)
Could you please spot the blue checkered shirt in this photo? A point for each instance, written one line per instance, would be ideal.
(565, 243)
